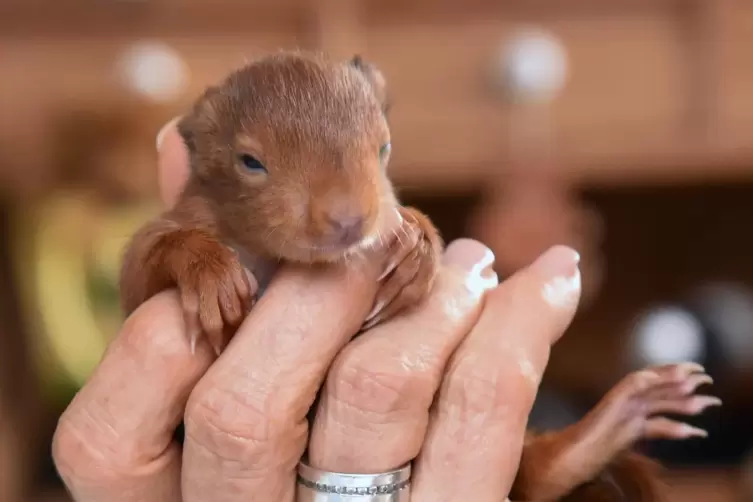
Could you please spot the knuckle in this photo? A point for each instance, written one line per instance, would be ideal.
(383, 385)
(229, 423)
(78, 460)
(471, 387)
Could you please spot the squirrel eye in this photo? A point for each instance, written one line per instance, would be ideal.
(384, 151)
(252, 164)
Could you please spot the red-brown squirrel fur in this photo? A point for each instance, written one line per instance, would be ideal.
(591, 461)
(288, 163)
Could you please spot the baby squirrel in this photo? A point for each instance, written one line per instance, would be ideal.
(288, 163)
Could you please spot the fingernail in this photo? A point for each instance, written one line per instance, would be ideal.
(476, 259)
(163, 131)
(698, 368)
(704, 402)
(690, 431)
(558, 267)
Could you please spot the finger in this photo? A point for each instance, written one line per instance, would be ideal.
(684, 406)
(675, 390)
(245, 422)
(173, 163)
(664, 428)
(677, 373)
(374, 409)
(478, 422)
(114, 442)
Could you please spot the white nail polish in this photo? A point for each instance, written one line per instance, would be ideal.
(483, 263)
(478, 284)
(561, 291)
(527, 369)
(690, 431)
(477, 280)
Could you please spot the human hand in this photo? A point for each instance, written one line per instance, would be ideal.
(480, 348)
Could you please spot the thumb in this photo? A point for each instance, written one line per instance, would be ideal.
(173, 163)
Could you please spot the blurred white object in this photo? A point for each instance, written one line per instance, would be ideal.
(153, 70)
(532, 65)
(668, 335)
(727, 310)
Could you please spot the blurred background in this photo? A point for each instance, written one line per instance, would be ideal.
(622, 128)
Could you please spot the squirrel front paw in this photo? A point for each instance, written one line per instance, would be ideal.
(216, 291)
(411, 270)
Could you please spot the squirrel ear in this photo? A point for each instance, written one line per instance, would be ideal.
(375, 78)
(201, 119)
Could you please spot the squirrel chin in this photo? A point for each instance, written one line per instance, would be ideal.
(330, 254)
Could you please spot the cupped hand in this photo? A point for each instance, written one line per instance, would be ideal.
(449, 384)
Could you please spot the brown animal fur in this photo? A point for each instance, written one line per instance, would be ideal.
(591, 460)
(319, 130)
(317, 127)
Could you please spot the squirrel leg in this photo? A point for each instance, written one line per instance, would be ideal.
(554, 464)
(216, 291)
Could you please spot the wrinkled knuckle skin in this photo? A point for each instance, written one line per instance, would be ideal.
(475, 392)
(77, 461)
(231, 427)
(378, 390)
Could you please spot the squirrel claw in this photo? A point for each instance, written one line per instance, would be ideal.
(411, 271)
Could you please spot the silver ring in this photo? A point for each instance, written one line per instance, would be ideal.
(315, 485)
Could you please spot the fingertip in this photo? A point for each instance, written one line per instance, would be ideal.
(173, 162)
(557, 260)
(468, 254)
(169, 127)
(558, 269)
(477, 260)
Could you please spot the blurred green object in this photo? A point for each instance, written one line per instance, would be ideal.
(68, 259)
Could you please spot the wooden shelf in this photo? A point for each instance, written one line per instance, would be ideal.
(658, 91)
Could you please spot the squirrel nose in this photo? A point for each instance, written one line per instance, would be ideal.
(347, 228)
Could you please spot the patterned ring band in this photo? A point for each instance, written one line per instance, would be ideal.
(315, 485)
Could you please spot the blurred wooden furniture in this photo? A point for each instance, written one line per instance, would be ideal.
(659, 94)
(659, 89)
